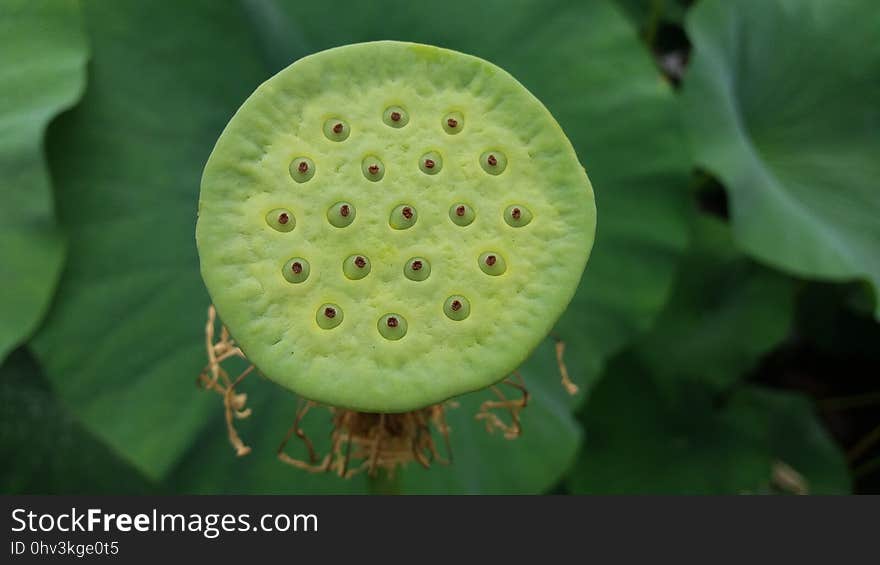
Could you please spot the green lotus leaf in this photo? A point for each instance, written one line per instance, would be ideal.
(781, 102)
(686, 440)
(724, 313)
(42, 72)
(45, 449)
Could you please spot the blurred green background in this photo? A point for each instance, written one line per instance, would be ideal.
(725, 336)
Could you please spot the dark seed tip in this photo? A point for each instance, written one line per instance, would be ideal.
(460, 211)
(360, 262)
(283, 218)
(330, 312)
(407, 213)
(337, 128)
(344, 210)
(452, 122)
(373, 169)
(490, 260)
(456, 305)
(429, 163)
(395, 116)
(492, 160)
(303, 167)
(516, 213)
(392, 322)
(416, 265)
(296, 267)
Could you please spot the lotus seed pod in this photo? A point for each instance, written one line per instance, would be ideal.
(341, 214)
(457, 307)
(417, 269)
(395, 116)
(461, 214)
(356, 267)
(281, 219)
(403, 217)
(517, 216)
(329, 316)
(401, 345)
(296, 270)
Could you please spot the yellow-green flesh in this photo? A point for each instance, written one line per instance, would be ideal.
(352, 365)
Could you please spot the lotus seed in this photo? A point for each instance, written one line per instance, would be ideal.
(430, 163)
(493, 162)
(461, 214)
(356, 267)
(329, 316)
(457, 307)
(296, 270)
(396, 117)
(392, 326)
(302, 169)
(281, 220)
(517, 216)
(336, 130)
(403, 217)
(492, 263)
(373, 168)
(453, 123)
(341, 214)
(417, 269)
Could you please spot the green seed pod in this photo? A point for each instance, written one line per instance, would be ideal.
(328, 316)
(281, 219)
(395, 116)
(373, 168)
(453, 123)
(461, 214)
(431, 163)
(493, 162)
(403, 217)
(417, 269)
(336, 130)
(341, 214)
(364, 363)
(302, 169)
(457, 307)
(356, 267)
(492, 263)
(392, 326)
(517, 216)
(296, 270)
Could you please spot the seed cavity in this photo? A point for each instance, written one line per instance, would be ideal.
(356, 267)
(430, 163)
(296, 270)
(457, 307)
(373, 168)
(517, 216)
(492, 263)
(403, 217)
(392, 326)
(336, 129)
(493, 162)
(417, 269)
(395, 116)
(281, 219)
(302, 169)
(329, 316)
(461, 214)
(453, 123)
(341, 214)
